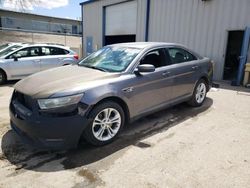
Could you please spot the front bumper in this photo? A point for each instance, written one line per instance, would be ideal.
(45, 132)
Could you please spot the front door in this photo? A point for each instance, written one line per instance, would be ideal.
(151, 90)
(24, 62)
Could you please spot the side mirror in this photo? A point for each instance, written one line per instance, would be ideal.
(16, 56)
(145, 68)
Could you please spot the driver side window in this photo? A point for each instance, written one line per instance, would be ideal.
(155, 57)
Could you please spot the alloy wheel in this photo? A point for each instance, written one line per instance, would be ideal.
(200, 93)
(106, 124)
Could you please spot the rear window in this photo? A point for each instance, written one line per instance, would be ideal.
(53, 51)
(179, 55)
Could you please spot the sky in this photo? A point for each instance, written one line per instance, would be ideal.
(57, 8)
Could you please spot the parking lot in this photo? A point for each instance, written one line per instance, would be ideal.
(178, 147)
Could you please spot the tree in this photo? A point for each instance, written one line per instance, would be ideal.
(21, 5)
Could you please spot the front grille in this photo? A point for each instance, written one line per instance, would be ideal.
(23, 99)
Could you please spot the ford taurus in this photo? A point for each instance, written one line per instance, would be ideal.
(103, 92)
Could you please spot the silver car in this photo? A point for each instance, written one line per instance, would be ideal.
(111, 87)
(28, 59)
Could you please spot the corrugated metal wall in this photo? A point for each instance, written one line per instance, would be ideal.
(202, 26)
(93, 20)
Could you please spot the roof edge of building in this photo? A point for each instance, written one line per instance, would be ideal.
(87, 2)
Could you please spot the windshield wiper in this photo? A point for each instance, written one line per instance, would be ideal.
(96, 68)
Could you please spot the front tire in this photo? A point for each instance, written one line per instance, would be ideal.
(107, 120)
(199, 93)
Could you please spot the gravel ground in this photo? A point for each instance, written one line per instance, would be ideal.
(182, 146)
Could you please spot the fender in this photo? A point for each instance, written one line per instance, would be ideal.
(203, 75)
(94, 95)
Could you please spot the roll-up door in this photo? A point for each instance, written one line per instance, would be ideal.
(120, 22)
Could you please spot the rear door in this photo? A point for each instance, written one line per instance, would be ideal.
(52, 57)
(27, 63)
(185, 70)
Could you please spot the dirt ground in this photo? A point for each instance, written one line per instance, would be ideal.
(182, 146)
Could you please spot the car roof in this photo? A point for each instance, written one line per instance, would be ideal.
(46, 44)
(43, 44)
(150, 45)
(142, 45)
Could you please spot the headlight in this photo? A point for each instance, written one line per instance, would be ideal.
(59, 102)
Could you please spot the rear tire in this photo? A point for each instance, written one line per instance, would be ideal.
(107, 120)
(3, 77)
(199, 94)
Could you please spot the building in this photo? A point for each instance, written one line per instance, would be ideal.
(33, 28)
(213, 28)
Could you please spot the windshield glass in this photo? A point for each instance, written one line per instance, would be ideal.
(9, 50)
(110, 59)
(3, 46)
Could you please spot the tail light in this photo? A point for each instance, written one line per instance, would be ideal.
(76, 56)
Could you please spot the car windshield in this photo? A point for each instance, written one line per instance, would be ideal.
(110, 59)
(3, 46)
(9, 50)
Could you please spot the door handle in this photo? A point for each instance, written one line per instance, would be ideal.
(37, 60)
(166, 74)
(195, 67)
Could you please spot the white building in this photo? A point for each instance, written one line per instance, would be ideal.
(213, 28)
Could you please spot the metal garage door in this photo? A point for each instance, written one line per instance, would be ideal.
(121, 19)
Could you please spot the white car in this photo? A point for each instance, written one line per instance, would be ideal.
(28, 59)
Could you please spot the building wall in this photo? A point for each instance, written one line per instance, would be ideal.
(21, 15)
(202, 26)
(93, 21)
(74, 42)
(33, 22)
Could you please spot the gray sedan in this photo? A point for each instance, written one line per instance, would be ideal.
(105, 91)
(17, 63)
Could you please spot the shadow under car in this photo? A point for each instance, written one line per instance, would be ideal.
(24, 157)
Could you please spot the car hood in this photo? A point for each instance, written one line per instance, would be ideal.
(66, 79)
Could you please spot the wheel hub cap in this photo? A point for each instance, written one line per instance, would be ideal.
(200, 93)
(106, 124)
